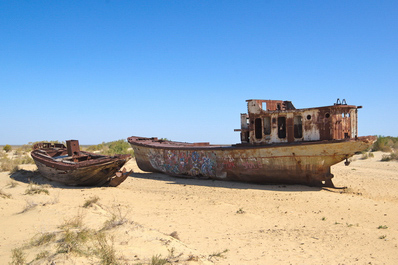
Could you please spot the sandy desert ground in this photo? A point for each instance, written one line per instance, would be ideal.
(192, 221)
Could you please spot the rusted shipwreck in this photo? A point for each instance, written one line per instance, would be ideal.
(279, 144)
(71, 166)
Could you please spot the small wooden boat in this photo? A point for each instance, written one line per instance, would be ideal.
(279, 144)
(70, 166)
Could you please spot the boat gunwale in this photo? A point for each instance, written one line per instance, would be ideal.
(191, 146)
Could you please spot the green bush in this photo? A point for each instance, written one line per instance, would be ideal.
(7, 148)
(385, 143)
(112, 148)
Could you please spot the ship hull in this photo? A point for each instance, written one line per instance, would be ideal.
(92, 175)
(305, 163)
(73, 167)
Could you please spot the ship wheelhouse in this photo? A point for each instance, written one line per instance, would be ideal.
(277, 121)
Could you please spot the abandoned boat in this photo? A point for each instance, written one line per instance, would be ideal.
(71, 166)
(279, 144)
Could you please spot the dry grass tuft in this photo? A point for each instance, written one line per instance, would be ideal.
(18, 257)
(36, 189)
(74, 222)
(117, 218)
(42, 239)
(90, 202)
(105, 251)
(29, 206)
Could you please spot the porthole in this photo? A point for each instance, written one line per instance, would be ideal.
(327, 115)
(308, 117)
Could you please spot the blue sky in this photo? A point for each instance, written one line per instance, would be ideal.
(105, 70)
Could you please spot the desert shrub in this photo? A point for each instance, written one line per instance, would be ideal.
(74, 222)
(158, 260)
(91, 201)
(392, 156)
(8, 164)
(42, 239)
(105, 251)
(117, 218)
(18, 257)
(366, 155)
(112, 148)
(36, 189)
(118, 147)
(7, 148)
(24, 149)
(385, 143)
(219, 254)
(97, 147)
(73, 241)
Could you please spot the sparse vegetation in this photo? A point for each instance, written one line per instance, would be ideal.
(7, 148)
(42, 255)
(112, 148)
(382, 227)
(366, 155)
(105, 251)
(8, 164)
(392, 156)
(36, 189)
(29, 206)
(219, 254)
(240, 211)
(90, 201)
(385, 143)
(74, 222)
(382, 237)
(42, 239)
(117, 218)
(73, 241)
(18, 257)
(158, 260)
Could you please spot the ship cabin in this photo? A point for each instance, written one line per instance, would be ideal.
(277, 121)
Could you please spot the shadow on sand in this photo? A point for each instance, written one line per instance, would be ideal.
(224, 184)
(28, 176)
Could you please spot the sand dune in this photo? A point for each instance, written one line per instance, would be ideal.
(214, 222)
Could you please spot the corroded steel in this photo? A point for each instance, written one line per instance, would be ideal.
(81, 168)
(280, 144)
(296, 163)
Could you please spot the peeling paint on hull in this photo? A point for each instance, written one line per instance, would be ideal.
(305, 163)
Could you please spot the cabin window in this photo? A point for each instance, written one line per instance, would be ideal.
(298, 127)
(308, 117)
(282, 127)
(278, 106)
(327, 115)
(267, 125)
(258, 128)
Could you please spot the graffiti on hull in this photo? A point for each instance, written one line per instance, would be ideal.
(181, 162)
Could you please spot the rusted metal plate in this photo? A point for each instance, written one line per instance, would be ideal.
(299, 163)
(279, 144)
